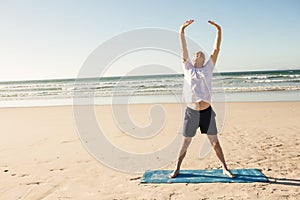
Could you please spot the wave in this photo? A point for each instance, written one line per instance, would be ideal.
(262, 88)
(147, 85)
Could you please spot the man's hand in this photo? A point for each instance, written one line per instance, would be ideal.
(186, 24)
(215, 25)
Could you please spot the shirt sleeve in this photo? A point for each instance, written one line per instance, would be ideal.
(187, 65)
(210, 64)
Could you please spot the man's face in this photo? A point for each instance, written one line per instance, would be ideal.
(199, 59)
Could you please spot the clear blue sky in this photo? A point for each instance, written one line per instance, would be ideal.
(52, 38)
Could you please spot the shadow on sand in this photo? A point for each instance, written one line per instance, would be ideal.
(284, 181)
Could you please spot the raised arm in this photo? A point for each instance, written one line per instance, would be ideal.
(184, 50)
(216, 50)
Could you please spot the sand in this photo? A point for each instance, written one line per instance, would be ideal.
(41, 156)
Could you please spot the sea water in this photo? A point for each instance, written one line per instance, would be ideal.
(276, 85)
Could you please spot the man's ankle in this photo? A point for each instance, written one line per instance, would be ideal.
(225, 168)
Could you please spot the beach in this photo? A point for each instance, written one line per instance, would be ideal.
(42, 156)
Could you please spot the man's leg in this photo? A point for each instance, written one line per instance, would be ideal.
(218, 149)
(185, 144)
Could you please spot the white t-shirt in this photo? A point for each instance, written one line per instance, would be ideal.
(197, 82)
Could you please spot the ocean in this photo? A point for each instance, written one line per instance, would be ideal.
(276, 85)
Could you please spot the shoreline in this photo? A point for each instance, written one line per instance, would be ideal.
(140, 104)
(276, 96)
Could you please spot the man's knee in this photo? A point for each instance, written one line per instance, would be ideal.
(213, 140)
(187, 141)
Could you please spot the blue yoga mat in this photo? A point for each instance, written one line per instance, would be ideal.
(204, 176)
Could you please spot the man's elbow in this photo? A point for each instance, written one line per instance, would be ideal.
(216, 51)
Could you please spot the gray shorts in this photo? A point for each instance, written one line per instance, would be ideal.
(205, 119)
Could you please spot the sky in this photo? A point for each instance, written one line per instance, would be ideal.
(52, 39)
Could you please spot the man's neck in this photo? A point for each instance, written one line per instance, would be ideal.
(198, 65)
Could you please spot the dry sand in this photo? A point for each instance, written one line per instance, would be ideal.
(41, 156)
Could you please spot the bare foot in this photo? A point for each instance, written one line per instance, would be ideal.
(174, 173)
(228, 173)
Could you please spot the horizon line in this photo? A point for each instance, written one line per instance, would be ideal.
(118, 76)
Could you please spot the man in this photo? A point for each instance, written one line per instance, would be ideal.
(197, 93)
